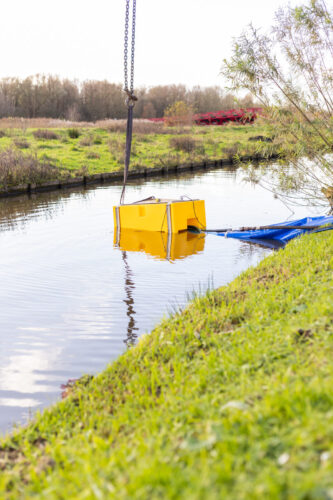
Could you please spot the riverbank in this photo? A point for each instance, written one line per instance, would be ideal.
(230, 398)
(35, 159)
(117, 176)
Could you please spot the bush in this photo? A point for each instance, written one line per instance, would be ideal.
(73, 133)
(87, 140)
(2, 133)
(21, 143)
(82, 171)
(116, 144)
(17, 168)
(184, 143)
(45, 134)
(179, 113)
(231, 151)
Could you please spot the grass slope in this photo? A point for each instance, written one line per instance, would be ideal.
(232, 398)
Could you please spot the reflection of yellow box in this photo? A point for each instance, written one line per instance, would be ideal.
(161, 245)
(170, 216)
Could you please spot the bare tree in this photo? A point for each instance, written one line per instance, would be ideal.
(289, 70)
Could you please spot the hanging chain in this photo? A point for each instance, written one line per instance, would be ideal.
(126, 45)
(131, 98)
(129, 91)
(133, 47)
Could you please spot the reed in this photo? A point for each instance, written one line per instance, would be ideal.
(17, 168)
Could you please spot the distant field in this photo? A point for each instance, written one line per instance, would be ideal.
(83, 148)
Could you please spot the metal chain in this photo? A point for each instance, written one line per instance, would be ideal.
(126, 45)
(133, 47)
(129, 91)
(131, 98)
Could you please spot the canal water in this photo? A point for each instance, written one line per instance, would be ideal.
(71, 301)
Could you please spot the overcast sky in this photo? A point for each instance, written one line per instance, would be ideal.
(178, 41)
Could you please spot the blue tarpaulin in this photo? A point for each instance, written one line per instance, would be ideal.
(280, 236)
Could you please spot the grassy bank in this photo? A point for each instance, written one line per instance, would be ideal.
(233, 398)
(82, 149)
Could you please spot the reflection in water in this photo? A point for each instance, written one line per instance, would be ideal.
(63, 312)
(159, 245)
(163, 246)
(129, 301)
(16, 212)
(266, 243)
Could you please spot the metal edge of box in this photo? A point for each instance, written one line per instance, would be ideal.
(168, 210)
(117, 225)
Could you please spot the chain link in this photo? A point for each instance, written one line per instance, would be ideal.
(133, 47)
(126, 44)
(129, 91)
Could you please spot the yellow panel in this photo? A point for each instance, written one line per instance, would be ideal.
(153, 215)
(188, 213)
(149, 217)
(160, 245)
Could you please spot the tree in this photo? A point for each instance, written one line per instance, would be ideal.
(179, 113)
(289, 70)
(101, 99)
(162, 96)
(148, 110)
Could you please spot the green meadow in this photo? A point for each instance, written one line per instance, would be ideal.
(62, 152)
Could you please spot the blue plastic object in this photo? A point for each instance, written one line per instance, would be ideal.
(275, 238)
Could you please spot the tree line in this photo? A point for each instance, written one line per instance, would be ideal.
(49, 96)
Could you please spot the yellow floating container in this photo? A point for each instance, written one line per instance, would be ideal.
(169, 246)
(167, 216)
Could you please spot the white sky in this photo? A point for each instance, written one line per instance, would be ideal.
(178, 41)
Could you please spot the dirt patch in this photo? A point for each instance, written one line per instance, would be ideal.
(303, 335)
(10, 457)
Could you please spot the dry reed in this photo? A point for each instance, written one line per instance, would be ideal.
(184, 143)
(45, 134)
(17, 168)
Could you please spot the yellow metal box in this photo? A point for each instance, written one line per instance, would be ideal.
(168, 216)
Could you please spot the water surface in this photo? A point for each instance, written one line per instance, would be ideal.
(70, 301)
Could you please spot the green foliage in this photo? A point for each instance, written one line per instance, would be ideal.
(86, 140)
(178, 113)
(152, 147)
(231, 398)
(73, 133)
(289, 70)
(184, 143)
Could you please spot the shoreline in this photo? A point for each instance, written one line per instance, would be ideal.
(137, 173)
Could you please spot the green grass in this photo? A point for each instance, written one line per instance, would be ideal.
(98, 150)
(231, 398)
